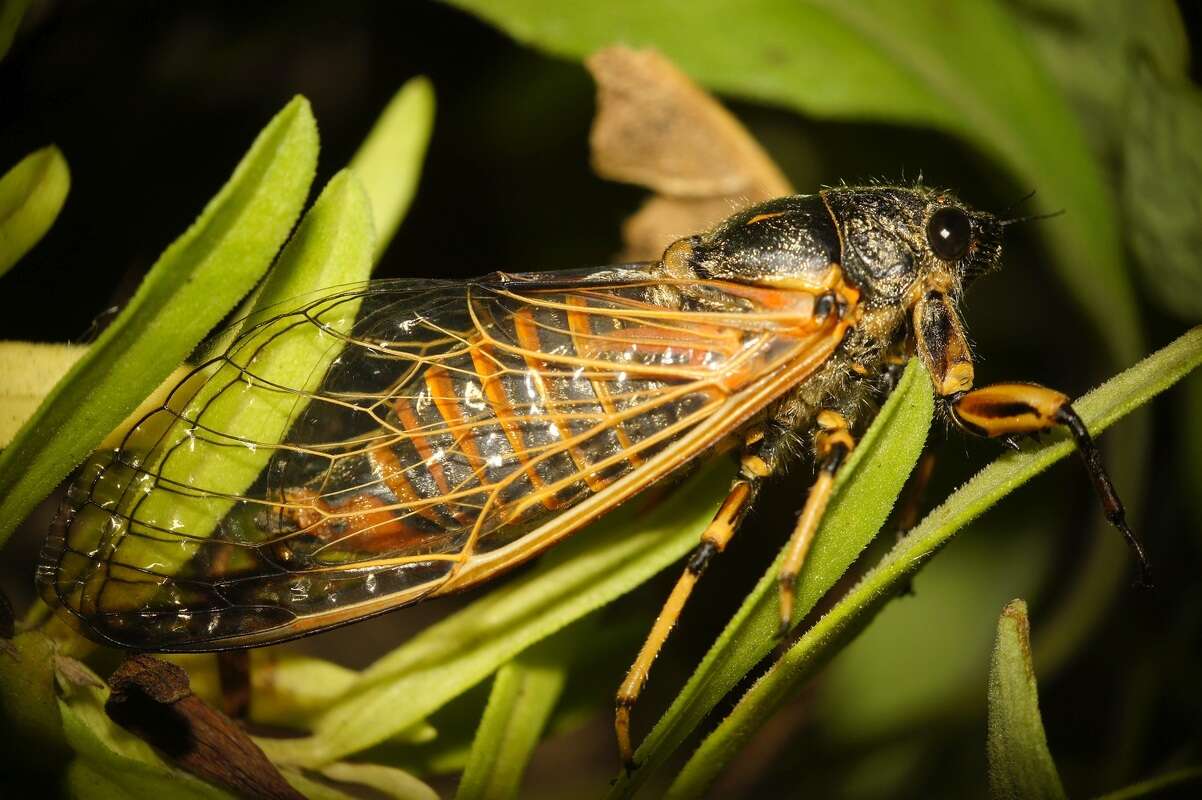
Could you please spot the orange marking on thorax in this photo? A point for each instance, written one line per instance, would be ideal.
(762, 217)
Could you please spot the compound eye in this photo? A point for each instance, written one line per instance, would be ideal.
(949, 233)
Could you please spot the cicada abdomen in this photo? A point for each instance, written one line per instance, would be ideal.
(382, 443)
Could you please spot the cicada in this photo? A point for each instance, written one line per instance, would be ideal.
(371, 446)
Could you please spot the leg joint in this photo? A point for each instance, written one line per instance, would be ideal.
(701, 556)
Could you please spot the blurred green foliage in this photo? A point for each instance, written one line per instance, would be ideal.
(31, 195)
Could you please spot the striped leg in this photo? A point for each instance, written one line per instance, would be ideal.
(759, 460)
(1009, 410)
(832, 443)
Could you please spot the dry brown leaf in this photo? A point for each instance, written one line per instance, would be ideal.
(656, 128)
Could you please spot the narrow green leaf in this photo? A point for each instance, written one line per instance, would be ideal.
(196, 281)
(919, 663)
(30, 370)
(389, 162)
(1100, 409)
(288, 689)
(312, 788)
(11, 13)
(332, 245)
(524, 694)
(865, 491)
(597, 565)
(31, 195)
(1020, 766)
(964, 68)
(599, 655)
(29, 721)
(387, 781)
(1172, 784)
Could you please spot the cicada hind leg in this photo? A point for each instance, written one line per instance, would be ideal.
(764, 451)
(762, 454)
(1011, 410)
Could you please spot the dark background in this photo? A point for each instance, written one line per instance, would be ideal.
(152, 105)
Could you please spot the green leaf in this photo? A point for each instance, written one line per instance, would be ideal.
(1099, 409)
(865, 491)
(524, 694)
(288, 689)
(29, 721)
(11, 12)
(1020, 766)
(1090, 48)
(386, 781)
(595, 566)
(31, 195)
(1173, 784)
(1162, 188)
(195, 283)
(599, 653)
(389, 162)
(332, 245)
(30, 370)
(312, 788)
(963, 68)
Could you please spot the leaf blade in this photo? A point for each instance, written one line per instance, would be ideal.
(1020, 765)
(389, 162)
(31, 195)
(524, 694)
(332, 245)
(31, 369)
(192, 286)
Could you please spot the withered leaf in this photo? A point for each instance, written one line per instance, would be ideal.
(656, 128)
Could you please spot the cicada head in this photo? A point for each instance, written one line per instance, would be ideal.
(908, 250)
(885, 239)
(895, 239)
(914, 249)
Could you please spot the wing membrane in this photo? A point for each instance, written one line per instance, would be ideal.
(371, 445)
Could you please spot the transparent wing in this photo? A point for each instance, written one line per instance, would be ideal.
(371, 445)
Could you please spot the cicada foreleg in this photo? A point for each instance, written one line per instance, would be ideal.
(763, 452)
(1007, 410)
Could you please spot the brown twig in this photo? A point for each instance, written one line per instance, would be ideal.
(154, 700)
